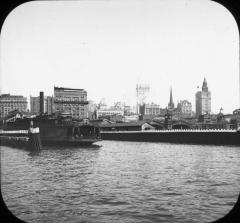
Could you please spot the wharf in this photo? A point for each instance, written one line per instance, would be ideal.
(29, 139)
(186, 136)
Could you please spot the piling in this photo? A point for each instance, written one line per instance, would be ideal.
(34, 139)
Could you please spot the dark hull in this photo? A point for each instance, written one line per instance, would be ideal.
(20, 142)
(54, 133)
(31, 142)
(185, 137)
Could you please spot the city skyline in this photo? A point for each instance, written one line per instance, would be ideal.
(147, 102)
(91, 45)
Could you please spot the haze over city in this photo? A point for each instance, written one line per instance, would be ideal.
(108, 47)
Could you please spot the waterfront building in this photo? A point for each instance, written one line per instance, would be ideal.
(235, 120)
(128, 110)
(149, 110)
(49, 105)
(203, 100)
(70, 100)
(236, 112)
(119, 105)
(185, 108)
(92, 107)
(102, 104)
(35, 105)
(131, 118)
(128, 126)
(10, 103)
(108, 112)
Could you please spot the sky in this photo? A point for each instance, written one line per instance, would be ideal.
(107, 47)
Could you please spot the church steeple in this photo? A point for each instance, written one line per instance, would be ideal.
(171, 104)
(204, 86)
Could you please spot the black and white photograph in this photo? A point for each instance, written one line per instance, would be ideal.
(120, 111)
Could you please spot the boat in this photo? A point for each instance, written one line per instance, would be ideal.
(58, 130)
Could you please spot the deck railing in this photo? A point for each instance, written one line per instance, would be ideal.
(173, 130)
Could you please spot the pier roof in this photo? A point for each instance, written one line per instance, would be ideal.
(123, 124)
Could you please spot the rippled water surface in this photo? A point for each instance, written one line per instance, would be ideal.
(121, 182)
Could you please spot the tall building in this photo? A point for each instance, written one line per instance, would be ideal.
(142, 91)
(35, 105)
(70, 100)
(9, 103)
(185, 108)
(92, 107)
(203, 100)
(171, 104)
(49, 105)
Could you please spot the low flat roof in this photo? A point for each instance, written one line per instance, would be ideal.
(123, 124)
(68, 89)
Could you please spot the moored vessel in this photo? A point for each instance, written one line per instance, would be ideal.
(58, 130)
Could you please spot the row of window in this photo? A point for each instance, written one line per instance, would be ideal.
(70, 105)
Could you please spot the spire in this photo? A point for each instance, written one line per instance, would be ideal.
(171, 104)
(171, 100)
(204, 86)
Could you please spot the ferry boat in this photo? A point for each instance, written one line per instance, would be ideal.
(58, 130)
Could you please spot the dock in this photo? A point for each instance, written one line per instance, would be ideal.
(27, 139)
(185, 136)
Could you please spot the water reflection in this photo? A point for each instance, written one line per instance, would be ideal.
(34, 153)
(61, 147)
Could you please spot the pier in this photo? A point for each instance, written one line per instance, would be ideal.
(187, 136)
(28, 139)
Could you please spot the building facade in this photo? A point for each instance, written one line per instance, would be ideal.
(92, 107)
(72, 101)
(10, 103)
(108, 112)
(185, 108)
(49, 105)
(150, 109)
(35, 105)
(203, 100)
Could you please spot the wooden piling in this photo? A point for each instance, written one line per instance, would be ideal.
(34, 139)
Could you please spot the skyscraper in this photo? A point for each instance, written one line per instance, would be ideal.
(203, 100)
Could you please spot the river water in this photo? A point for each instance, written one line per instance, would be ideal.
(121, 182)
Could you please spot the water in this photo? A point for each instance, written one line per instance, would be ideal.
(121, 182)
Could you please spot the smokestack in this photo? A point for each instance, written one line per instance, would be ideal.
(41, 102)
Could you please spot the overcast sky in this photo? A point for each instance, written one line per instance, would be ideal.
(107, 47)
